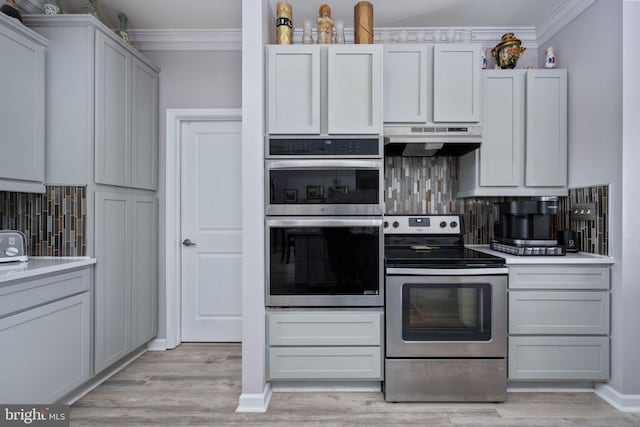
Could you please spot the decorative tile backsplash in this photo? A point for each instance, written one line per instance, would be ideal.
(593, 236)
(428, 185)
(55, 222)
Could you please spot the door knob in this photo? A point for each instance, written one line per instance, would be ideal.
(187, 242)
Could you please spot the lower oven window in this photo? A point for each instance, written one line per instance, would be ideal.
(324, 260)
(446, 312)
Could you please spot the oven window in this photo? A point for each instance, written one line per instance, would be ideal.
(324, 186)
(446, 312)
(324, 260)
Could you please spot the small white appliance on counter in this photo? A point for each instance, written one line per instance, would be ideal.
(13, 246)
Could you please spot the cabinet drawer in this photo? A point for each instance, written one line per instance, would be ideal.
(325, 328)
(558, 312)
(558, 277)
(558, 358)
(30, 293)
(325, 363)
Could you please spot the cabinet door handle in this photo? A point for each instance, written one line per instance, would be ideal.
(187, 242)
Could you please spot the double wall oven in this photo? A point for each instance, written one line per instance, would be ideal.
(446, 314)
(324, 222)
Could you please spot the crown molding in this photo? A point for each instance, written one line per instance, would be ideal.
(562, 15)
(224, 40)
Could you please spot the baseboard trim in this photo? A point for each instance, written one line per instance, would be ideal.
(255, 402)
(550, 387)
(326, 386)
(622, 402)
(80, 392)
(157, 345)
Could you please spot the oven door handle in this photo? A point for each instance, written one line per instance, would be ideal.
(488, 271)
(335, 164)
(324, 222)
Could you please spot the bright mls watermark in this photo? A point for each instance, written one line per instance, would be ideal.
(34, 415)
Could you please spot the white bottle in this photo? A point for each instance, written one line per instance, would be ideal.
(550, 58)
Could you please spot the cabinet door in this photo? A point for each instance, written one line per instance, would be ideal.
(406, 75)
(21, 112)
(456, 83)
(144, 278)
(45, 351)
(546, 152)
(502, 149)
(354, 89)
(113, 278)
(293, 89)
(113, 119)
(144, 126)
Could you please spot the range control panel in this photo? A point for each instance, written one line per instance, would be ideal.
(423, 224)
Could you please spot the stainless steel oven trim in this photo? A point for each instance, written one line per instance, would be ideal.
(321, 156)
(483, 271)
(324, 300)
(397, 347)
(325, 209)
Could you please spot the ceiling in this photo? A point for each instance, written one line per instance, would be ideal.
(227, 14)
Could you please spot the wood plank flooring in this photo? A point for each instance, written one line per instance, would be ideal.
(199, 385)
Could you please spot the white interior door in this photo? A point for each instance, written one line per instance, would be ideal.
(211, 231)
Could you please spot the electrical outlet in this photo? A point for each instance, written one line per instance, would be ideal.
(583, 211)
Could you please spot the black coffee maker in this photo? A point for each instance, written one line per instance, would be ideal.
(527, 227)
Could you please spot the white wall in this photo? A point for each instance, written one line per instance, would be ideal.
(191, 79)
(590, 47)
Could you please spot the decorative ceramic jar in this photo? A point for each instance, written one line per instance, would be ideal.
(122, 31)
(508, 51)
(284, 23)
(339, 30)
(550, 58)
(51, 8)
(90, 8)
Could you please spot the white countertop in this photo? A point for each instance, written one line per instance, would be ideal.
(570, 258)
(41, 265)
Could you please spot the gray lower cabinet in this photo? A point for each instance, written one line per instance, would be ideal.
(126, 278)
(325, 345)
(559, 322)
(45, 330)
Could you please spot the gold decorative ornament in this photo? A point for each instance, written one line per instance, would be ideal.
(508, 51)
(284, 23)
(325, 24)
(363, 23)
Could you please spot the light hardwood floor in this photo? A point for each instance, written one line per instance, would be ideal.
(199, 385)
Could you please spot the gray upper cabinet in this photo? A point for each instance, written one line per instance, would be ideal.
(319, 90)
(407, 73)
(456, 83)
(102, 105)
(22, 108)
(524, 148)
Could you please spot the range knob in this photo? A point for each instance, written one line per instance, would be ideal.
(396, 224)
(386, 224)
(443, 224)
(453, 224)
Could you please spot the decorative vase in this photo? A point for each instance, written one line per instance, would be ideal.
(9, 8)
(51, 8)
(90, 8)
(483, 59)
(550, 58)
(284, 23)
(122, 31)
(307, 38)
(508, 51)
(339, 39)
(363, 23)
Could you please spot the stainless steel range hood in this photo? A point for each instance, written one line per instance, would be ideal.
(431, 140)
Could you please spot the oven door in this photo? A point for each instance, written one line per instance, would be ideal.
(455, 313)
(324, 187)
(324, 262)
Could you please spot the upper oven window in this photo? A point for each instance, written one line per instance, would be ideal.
(324, 186)
(446, 312)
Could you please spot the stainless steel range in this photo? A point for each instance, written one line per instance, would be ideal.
(446, 314)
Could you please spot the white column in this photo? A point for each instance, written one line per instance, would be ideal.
(256, 392)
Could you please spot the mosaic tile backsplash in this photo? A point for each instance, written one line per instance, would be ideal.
(55, 222)
(428, 185)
